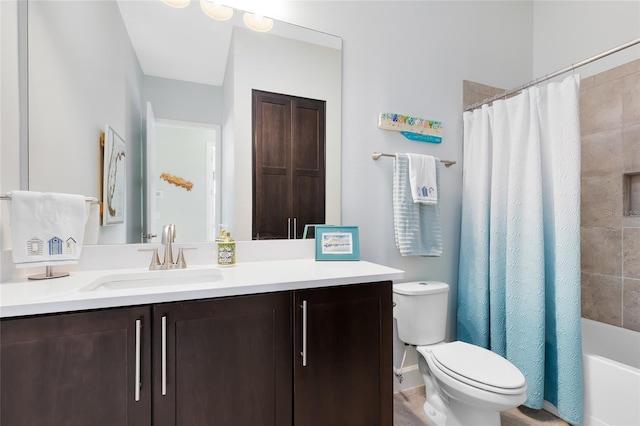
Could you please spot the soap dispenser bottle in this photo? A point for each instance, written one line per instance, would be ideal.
(226, 249)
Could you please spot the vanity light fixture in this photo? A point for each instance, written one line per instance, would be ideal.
(177, 3)
(257, 22)
(220, 12)
(216, 10)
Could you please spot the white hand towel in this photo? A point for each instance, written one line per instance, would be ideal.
(422, 179)
(46, 228)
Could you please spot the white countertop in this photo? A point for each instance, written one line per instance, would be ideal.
(19, 296)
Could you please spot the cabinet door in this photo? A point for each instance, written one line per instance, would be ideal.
(271, 166)
(345, 377)
(288, 164)
(76, 369)
(228, 361)
(307, 163)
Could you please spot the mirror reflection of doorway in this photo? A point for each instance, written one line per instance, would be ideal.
(184, 184)
(288, 164)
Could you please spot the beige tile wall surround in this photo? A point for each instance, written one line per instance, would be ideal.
(631, 147)
(602, 298)
(601, 202)
(631, 252)
(631, 304)
(473, 92)
(601, 250)
(601, 107)
(615, 73)
(631, 193)
(631, 99)
(610, 241)
(602, 154)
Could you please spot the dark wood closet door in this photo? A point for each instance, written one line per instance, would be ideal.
(288, 164)
(348, 372)
(308, 163)
(75, 369)
(228, 362)
(271, 165)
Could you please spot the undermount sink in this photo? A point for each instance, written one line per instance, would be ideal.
(141, 279)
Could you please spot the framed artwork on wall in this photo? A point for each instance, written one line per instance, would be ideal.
(337, 243)
(113, 178)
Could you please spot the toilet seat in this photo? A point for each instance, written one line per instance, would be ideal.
(478, 367)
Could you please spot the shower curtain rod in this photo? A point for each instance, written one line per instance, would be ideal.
(554, 74)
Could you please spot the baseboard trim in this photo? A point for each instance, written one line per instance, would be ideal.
(550, 408)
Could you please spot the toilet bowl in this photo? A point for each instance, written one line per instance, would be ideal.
(465, 384)
(475, 383)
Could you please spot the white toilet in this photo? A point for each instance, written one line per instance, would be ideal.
(465, 384)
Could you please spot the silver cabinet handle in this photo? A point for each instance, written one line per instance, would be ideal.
(288, 228)
(295, 228)
(164, 355)
(138, 383)
(304, 333)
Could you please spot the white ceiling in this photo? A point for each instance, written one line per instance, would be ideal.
(185, 44)
(182, 44)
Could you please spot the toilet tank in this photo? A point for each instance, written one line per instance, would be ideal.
(421, 311)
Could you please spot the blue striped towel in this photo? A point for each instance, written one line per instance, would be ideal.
(417, 226)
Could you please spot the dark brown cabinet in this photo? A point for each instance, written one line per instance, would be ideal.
(76, 369)
(288, 164)
(228, 361)
(223, 362)
(343, 363)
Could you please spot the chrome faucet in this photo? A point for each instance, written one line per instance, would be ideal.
(168, 237)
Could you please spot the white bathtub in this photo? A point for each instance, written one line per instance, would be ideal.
(611, 357)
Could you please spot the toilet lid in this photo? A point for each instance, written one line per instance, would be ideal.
(478, 367)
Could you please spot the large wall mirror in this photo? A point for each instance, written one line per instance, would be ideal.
(176, 86)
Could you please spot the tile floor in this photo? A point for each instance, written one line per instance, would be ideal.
(408, 412)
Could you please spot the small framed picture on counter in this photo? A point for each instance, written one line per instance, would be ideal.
(337, 243)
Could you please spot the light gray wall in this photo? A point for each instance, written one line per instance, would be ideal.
(567, 32)
(9, 118)
(293, 68)
(72, 45)
(411, 58)
(183, 101)
(190, 165)
(68, 111)
(228, 136)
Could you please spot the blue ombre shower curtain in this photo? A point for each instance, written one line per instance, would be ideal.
(519, 272)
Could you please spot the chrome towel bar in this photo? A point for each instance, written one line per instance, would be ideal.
(377, 155)
(91, 200)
